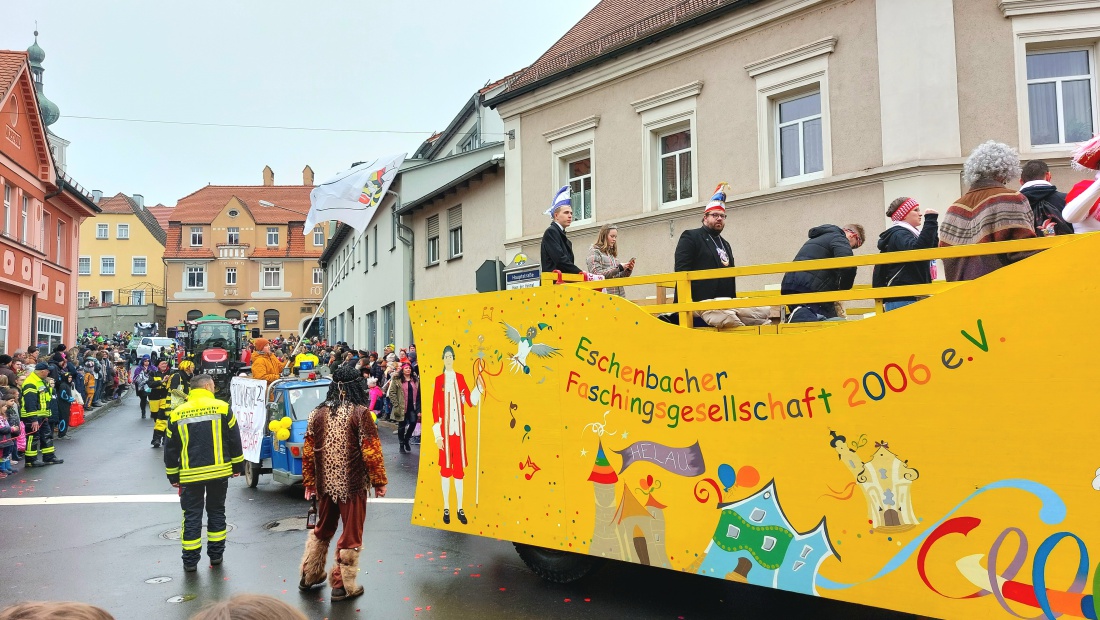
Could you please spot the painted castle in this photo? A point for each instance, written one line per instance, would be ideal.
(626, 529)
(886, 483)
(755, 543)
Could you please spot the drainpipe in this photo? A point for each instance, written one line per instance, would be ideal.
(410, 242)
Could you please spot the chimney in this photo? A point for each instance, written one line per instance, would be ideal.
(269, 176)
(307, 176)
(140, 200)
(96, 195)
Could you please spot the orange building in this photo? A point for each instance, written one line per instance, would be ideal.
(42, 212)
(239, 252)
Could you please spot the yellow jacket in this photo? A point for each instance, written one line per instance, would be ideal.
(266, 366)
(204, 441)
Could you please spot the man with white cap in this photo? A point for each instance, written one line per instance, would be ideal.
(557, 251)
(704, 248)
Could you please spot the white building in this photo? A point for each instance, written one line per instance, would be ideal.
(367, 273)
(443, 218)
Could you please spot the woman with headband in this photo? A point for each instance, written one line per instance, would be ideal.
(905, 233)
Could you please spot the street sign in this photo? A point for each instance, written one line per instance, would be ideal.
(525, 277)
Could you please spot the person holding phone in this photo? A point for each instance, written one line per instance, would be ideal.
(603, 259)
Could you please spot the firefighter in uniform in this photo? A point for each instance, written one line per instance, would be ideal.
(158, 401)
(203, 450)
(179, 384)
(35, 414)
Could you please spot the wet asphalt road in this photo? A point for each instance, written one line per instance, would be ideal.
(105, 553)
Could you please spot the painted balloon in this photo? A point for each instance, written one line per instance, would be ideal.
(727, 475)
(747, 476)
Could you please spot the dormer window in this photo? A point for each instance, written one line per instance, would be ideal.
(272, 235)
(196, 236)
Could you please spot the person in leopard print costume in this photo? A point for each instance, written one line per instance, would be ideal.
(341, 461)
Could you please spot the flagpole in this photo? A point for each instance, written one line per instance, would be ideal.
(320, 304)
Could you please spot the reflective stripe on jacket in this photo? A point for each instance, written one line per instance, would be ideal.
(204, 441)
(36, 397)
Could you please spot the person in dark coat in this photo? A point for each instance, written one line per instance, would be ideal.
(1035, 185)
(557, 251)
(905, 234)
(704, 248)
(826, 241)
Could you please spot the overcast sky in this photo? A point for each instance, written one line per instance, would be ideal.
(405, 66)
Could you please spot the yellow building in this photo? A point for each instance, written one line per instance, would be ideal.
(120, 255)
(239, 252)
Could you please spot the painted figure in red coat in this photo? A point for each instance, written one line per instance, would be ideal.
(452, 395)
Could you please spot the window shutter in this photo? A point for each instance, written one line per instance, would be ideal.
(433, 226)
(454, 217)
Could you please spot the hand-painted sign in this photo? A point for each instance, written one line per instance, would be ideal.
(248, 398)
(682, 461)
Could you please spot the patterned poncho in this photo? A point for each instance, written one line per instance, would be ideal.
(988, 212)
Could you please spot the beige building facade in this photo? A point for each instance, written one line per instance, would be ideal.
(239, 252)
(814, 111)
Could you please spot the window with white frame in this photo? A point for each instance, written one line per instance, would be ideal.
(84, 266)
(318, 275)
(580, 188)
(366, 252)
(82, 298)
(195, 277)
(273, 276)
(231, 276)
(675, 166)
(792, 104)
(123, 231)
(61, 254)
(233, 235)
(573, 148)
(454, 232)
(3, 328)
(1060, 95)
(432, 245)
(138, 266)
(137, 298)
(272, 235)
(7, 208)
(319, 236)
(376, 238)
(196, 236)
(798, 136)
(106, 297)
(106, 265)
(50, 330)
(102, 231)
(24, 224)
(669, 129)
(42, 238)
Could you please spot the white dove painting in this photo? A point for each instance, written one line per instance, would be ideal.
(526, 346)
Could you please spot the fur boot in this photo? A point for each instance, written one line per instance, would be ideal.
(348, 563)
(313, 562)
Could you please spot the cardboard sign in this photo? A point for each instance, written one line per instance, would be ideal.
(248, 398)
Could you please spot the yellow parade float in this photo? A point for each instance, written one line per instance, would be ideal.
(938, 459)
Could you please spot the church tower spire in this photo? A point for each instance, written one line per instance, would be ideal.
(48, 109)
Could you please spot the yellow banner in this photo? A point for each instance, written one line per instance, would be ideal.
(939, 459)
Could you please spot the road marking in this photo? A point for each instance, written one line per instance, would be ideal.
(137, 499)
(91, 499)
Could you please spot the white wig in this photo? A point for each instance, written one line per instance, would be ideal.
(991, 161)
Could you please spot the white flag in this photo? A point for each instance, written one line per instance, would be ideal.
(352, 196)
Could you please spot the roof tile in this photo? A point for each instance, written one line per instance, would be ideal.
(11, 63)
(162, 213)
(612, 24)
(202, 206)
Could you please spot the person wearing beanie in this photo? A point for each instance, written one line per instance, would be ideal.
(902, 235)
(704, 248)
(265, 366)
